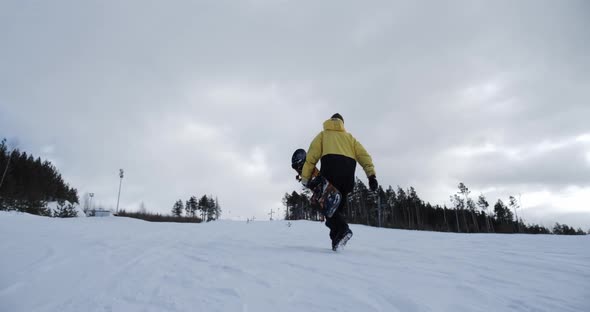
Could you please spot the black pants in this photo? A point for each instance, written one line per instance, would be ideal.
(336, 223)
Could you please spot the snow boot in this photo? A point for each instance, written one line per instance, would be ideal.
(342, 240)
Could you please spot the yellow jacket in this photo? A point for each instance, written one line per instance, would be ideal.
(339, 151)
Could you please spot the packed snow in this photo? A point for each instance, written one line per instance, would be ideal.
(122, 264)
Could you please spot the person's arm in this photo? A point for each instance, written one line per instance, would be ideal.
(314, 153)
(364, 159)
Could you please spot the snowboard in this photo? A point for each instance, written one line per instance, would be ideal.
(324, 194)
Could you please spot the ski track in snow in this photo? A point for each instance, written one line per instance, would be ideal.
(121, 264)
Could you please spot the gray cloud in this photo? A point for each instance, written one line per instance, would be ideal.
(196, 97)
(556, 168)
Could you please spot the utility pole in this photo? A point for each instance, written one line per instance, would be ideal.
(90, 204)
(120, 182)
(271, 212)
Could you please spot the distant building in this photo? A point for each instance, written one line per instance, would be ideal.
(99, 213)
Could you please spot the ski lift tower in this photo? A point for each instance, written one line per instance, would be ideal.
(120, 182)
(90, 201)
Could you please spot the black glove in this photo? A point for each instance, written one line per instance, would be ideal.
(314, 182)
(373, 184)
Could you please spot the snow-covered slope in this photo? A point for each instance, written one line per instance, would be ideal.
(120, 264)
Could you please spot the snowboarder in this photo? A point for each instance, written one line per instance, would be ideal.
(339, 152)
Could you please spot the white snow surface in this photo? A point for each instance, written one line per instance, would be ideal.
(122, 264)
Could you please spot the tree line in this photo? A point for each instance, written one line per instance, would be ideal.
(193, 210)
(205, 208)
(28, 184)
(403, 209)
(156, 217)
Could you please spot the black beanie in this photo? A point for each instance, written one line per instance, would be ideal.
(338, 116)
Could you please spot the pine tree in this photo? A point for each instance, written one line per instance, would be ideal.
(217, 209)
(27, 183)
(4, 161)
(514, 205)
(192, 206)
(459, 204)
(210, 209)
(402, 200)
(504, 217)
(360, 201)
(287, 206)
(391, 199)
(298, 206)
(483, 204)
(463, 190)
(414, 204)
(445, 218)
(177, 208)
(471, 207)
(65, 210)
(557, 229)
(203, 207)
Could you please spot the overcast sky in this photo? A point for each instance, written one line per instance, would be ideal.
(194, 97)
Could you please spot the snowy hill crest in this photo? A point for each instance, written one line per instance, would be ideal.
(120, 264)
